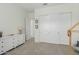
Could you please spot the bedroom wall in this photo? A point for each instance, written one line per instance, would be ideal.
(11, 18)
(30, 25)
(73, 8)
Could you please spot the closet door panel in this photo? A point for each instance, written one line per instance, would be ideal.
(65, 24)
(48, 29)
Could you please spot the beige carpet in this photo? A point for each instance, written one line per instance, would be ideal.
(32, 48)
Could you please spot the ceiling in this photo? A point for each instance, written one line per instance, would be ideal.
(32, 6)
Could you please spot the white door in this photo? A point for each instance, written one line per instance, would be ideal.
(65, 24)
(53, 28)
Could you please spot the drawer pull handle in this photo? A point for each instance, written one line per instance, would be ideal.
(2, 46)
(1, 42)
(2, 51)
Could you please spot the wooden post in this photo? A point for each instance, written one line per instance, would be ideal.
(70, 39)
(69, 35)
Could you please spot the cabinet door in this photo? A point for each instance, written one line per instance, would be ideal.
(1, 46)
(1, 49)
(7, 43)
(15, 41)
(21, 39)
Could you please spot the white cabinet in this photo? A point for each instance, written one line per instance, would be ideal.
(19, 39)
(1, 46)
(9, 42)
(15, 41)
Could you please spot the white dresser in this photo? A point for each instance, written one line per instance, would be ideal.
(10, 42)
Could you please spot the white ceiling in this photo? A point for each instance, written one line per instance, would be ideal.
(32, 6)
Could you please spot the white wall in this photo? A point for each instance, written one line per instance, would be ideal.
(29, 25)
(32, 24)
(11, 17)
(73, 8)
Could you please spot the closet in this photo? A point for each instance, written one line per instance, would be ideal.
(52, 28)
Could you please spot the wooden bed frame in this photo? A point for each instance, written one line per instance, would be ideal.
(69, 33)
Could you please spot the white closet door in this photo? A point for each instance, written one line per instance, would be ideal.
(48, 29)
(65, 24)
(53, 28)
